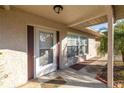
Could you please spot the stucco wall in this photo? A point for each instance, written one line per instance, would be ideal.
(117, 58)
(13, 43)
(92, 48)
(13, 46)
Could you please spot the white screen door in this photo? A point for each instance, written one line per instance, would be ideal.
(45, 50)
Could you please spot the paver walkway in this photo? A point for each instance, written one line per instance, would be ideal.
(83, 78)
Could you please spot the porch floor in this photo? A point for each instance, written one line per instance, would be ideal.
(83, 78)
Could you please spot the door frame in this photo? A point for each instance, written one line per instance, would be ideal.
(36, 28)
(58, 49)
(30, 52)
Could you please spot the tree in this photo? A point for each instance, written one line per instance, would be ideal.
(102, 49)
(118, 40)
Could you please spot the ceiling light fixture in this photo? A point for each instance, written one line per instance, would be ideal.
(58, 8)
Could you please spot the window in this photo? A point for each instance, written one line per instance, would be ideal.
(46, 51)
(72, 46)
(83, 48)
(77, 45)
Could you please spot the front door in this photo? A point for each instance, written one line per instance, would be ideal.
(45, 50)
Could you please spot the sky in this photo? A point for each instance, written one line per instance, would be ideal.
(99, 26)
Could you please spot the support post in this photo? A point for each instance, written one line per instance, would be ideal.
(110, 46)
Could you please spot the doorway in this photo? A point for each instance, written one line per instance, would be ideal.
(45, 52)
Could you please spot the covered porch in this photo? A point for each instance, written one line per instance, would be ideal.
(21, 23)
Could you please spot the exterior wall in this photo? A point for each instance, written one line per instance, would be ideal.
(117, 58)
(13, 44)
(63, 50)
(92, 51)
(92, 48)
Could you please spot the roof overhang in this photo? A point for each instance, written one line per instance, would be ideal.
(118, 12)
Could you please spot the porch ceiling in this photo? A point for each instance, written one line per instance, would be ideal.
(73, 16)
(77, 17)
(70, 15)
